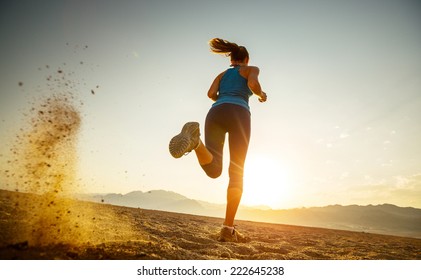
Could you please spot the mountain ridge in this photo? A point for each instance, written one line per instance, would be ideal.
(383, 218)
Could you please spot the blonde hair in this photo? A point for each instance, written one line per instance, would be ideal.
(221, 46)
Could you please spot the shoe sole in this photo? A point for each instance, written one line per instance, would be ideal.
(180, 144)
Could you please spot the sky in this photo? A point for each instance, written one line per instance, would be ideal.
(342, 124)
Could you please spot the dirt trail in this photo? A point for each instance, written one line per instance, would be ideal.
(115, 232)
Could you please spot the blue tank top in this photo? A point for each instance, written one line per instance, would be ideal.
(233, 89)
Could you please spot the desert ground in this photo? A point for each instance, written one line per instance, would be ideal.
(33, 227)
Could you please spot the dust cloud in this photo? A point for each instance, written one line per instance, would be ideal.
(44, 160)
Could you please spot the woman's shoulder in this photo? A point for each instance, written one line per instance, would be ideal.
(253, 68)
(247, 70)
(221, 74)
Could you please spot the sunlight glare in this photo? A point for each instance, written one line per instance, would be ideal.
(265, 182)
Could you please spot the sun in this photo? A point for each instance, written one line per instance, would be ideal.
(265, 182)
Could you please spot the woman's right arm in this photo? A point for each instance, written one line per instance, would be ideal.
(254, 85)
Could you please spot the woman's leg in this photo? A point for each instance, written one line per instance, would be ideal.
(239, 137)
(210, 153)
(233, 201)
(203, 155)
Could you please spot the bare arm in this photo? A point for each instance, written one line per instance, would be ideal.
(214, 88)
(254, 85)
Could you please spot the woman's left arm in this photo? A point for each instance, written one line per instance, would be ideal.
(214, 88)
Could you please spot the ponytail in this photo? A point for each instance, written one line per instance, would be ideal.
(221, 46)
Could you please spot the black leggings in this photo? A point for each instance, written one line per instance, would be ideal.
(234, 120)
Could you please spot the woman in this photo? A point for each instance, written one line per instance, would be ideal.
(230, 113)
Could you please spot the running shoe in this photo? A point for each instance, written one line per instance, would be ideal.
(232, 235)
(227, 235)
(186, 141)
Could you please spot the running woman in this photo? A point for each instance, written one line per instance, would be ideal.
(230, 113)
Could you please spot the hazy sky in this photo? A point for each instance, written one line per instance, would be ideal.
(342, 124)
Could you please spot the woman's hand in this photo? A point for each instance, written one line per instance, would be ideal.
(263, 97)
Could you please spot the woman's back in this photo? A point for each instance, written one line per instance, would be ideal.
(233, 89)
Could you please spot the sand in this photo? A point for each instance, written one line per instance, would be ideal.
(114, 232)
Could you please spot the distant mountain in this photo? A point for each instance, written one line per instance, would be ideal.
(156, 200)
(385, 219)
